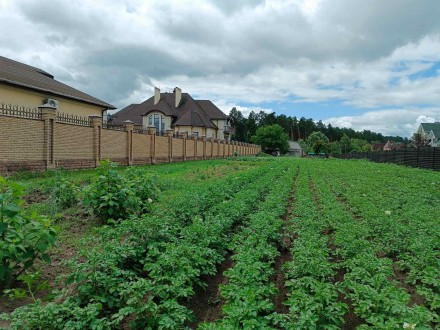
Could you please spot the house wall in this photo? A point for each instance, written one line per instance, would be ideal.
(53, 141)
(31, 99)
(190, 129)
(221, 128)
(168, 119)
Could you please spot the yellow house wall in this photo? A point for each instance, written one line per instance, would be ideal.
(168, 119)
(31, 99)
(221, 128)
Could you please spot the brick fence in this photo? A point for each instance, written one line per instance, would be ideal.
(42, 138)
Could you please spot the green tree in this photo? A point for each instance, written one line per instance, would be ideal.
(345, 144)
(335, 148)
(359, 145)
(318, 142)
(238, 123)
(272, 138)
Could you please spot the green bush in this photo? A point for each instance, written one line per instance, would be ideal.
(109, 196)
(24, 237)
(113, 195)
(65, 193)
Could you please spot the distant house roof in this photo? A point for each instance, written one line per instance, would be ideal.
(190, 112)
(434, 127)
(377, 146)
(28, 77)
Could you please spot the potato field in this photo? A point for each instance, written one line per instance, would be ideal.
(244, 243)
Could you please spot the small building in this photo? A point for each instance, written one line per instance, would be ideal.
(179, 112)
(295, 149)
(431, 131)
(26, 86)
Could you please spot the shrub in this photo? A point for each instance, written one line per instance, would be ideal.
(110, 196)
(65, 193)
(24, 237)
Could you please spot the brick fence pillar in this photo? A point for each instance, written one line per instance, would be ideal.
(212, 147)
(204, 147)
(195, 147)
(96, 123)
(49, 116)
(170, 134)
(128, 126)
(185, 137)
(152, 133)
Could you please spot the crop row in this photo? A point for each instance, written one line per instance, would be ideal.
(377, 298)
(141, 268)
(313, 298)
(405, 227)
(247, 296)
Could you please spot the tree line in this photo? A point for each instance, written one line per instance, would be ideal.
(299, 129)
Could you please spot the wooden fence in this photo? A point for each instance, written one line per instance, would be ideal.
(428, 158)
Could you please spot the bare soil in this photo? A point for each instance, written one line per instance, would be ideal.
(207, 304)
(74, 227)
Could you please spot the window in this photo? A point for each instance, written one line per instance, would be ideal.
(156, 122)
(162, 123)
(150, 120)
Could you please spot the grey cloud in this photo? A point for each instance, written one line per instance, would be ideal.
(230, 7)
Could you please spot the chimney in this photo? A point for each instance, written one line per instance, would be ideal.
(156, 95)
(178, 96)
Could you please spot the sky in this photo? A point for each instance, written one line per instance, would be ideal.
(352, 63)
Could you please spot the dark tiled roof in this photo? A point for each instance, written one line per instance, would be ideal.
(189, 113)
(26, 76)
(435, 127)
(211, 110)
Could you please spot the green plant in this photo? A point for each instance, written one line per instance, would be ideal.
(110, 195)
(32, 286)
(65, 193)
(24, 237)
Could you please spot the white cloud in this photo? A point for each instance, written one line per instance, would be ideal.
(363, 54)
(403, 122)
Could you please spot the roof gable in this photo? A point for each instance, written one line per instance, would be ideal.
(434, 127)
(189, 112)
(25, 76)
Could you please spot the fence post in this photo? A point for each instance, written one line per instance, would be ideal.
(96, 123)
(195, 147)
(152, 133)
(49, 115)
(212, 147)
(185, 136)
(128, 126)
(204, 147)
(170, 145)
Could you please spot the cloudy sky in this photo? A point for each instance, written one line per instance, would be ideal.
(362, 64)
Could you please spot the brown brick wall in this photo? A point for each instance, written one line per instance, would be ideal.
(73, 143)
(161, 147)
(21, 139)
(208, 149)
(114, 145)
(31, 144)
(141, 148)
(177, 148)
(199, 149)
(190, 148)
